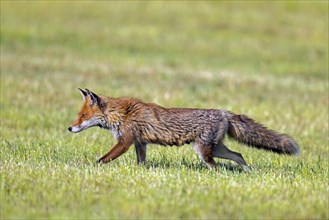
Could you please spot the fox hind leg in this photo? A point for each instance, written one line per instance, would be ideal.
(221, 151)
(140, 152)
(205, 154)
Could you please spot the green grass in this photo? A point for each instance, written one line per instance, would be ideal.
(268, 60)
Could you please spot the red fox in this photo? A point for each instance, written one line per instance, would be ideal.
(135, 122)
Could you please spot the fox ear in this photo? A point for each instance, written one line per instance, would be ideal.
(83, 93)
(95, 99)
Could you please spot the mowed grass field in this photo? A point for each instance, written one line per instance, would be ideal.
(268, 60)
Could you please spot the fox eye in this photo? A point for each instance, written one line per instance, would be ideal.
(84, 115)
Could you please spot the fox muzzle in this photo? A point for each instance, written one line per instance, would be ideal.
(84, 125)
(75, 129)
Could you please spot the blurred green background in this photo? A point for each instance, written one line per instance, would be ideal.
(266, 59)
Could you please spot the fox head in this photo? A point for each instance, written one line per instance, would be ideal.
(90, 114)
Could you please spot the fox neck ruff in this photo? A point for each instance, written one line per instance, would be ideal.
(112, 123)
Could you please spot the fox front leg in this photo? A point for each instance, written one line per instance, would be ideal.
(140, 152)
(121, 147)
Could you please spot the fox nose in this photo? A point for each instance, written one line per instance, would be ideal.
(70, 129)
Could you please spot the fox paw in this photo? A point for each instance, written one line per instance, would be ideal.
(246, 168)
(100, 161)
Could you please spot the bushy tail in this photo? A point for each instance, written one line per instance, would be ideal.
(247, 131)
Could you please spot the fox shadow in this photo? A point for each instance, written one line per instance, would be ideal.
(167, 164)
